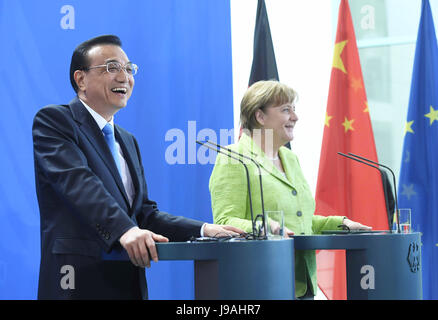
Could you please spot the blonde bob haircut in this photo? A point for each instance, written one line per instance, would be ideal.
(261, 95)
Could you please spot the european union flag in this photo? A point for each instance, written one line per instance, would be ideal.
(419, 166)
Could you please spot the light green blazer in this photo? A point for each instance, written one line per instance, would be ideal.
(291, 194)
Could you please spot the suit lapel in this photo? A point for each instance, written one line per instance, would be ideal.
(286, 162)
(272, 169)
(91, 130)
(250, 147)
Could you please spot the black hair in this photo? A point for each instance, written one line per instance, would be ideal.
(79, 59)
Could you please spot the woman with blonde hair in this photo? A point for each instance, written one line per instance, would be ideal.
(268, 119)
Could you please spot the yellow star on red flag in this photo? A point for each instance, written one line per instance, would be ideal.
(367, 107)
(348, 124)
(327, 119)
(337, 60)
(356, 84)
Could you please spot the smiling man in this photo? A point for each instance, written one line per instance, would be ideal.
(91, 187)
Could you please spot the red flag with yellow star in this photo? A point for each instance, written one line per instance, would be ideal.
(345, 187)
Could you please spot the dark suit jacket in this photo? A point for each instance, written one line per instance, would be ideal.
(84, 208)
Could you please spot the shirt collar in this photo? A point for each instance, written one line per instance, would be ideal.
(101, 122)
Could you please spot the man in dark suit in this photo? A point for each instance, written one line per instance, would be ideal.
(91, 187)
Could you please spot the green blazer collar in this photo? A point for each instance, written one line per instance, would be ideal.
(248, 147)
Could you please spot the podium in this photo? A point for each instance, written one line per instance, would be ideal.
(384, 266)
(379, 265)
(233, 270)
(238, 270)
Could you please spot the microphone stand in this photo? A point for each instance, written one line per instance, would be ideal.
(371, 164)
(260, 179)
(218, 149)
(393, 180)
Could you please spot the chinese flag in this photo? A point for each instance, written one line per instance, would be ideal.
(346, 187)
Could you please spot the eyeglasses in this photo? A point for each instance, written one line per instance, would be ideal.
(115, 67)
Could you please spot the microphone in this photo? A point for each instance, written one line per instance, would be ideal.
(393, 181)
(217, 148)
(377, 166)
(251, 159)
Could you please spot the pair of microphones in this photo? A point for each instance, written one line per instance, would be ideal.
(256, 232)
(379, 167)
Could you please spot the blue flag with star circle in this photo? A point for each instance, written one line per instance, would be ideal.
(418, 183)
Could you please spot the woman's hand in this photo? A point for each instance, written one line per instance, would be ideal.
(215, 230)
(352, 225)
(275, 229)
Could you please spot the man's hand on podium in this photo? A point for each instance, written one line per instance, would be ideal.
(140, 245)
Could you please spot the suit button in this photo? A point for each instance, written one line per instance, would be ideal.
(294, 192)
(299, 213)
